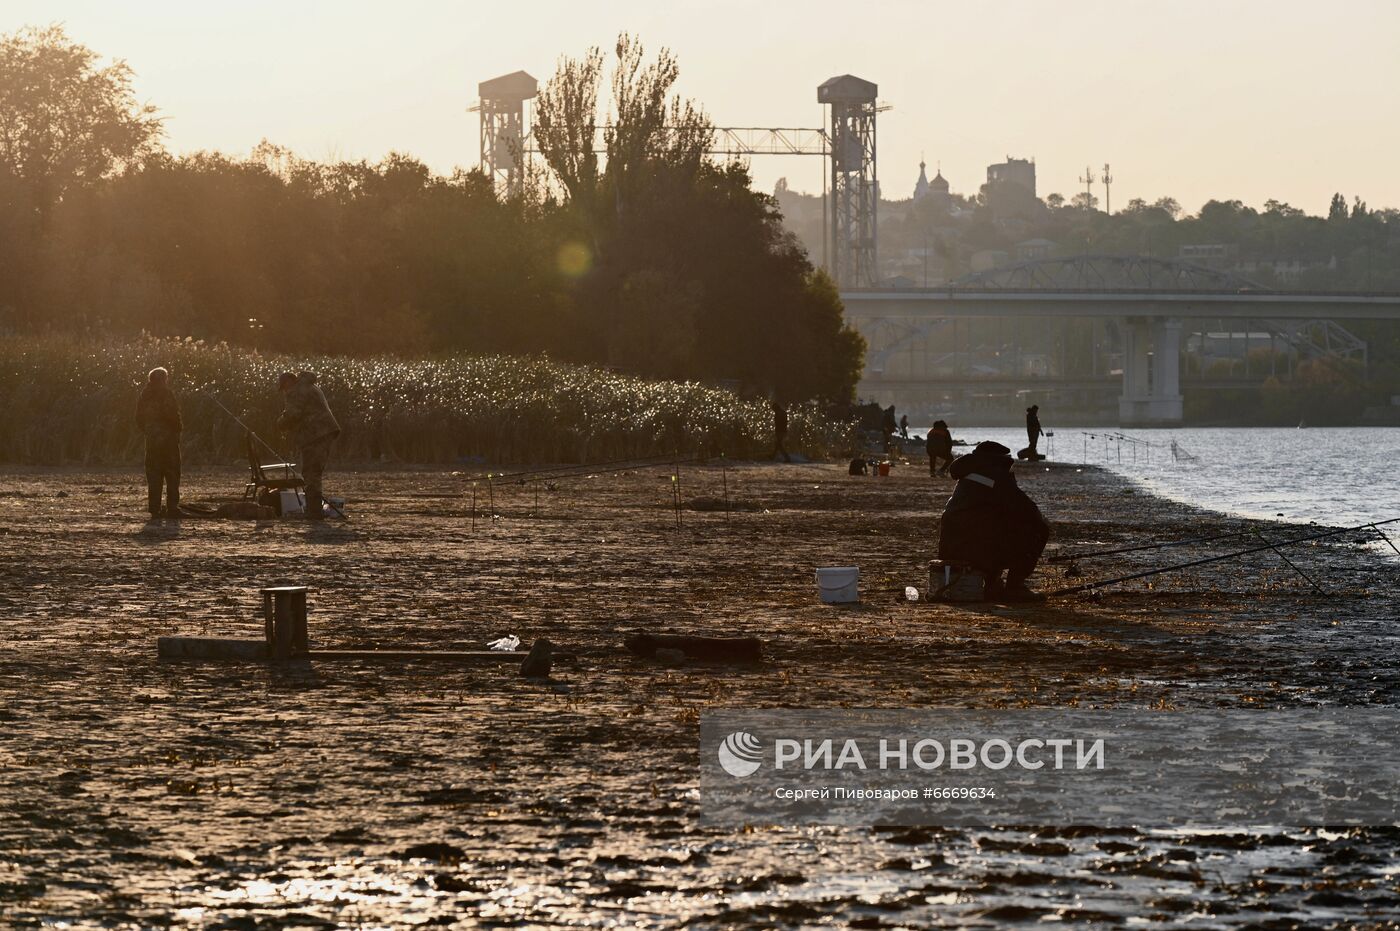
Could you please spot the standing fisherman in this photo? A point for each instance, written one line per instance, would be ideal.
(780, 431)
(158, 416)
(308, 419)
(888, 425)
(1033, 431)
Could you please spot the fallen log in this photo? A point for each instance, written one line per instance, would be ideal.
(221, 648)
(715, 649)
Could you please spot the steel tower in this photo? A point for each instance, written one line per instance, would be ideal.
(855, 191)
(502, 109)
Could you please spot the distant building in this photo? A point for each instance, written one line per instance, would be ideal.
(1210, 254)
(1033, 249)
(1010, 189)
(937, 189)
(988, 259)
(1020, 171)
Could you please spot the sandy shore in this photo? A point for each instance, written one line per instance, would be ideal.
(136, 793)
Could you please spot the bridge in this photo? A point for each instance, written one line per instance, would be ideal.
(1144, 301)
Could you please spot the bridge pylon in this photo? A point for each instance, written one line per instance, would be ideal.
(1151, 372)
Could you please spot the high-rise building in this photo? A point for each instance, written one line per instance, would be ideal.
(1013, 171)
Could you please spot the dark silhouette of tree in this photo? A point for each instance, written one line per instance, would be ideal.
(1338, 210)
(64, 120)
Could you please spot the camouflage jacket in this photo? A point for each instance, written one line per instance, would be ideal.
(158, 413)
(306, 417)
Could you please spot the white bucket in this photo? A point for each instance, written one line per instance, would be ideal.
(292, 502)
(839, 584)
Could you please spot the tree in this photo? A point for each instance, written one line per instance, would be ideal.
(1170, 205)
(692, 274)
(65, 121)
(1277, 208)
(1055, 201)
(1338, 210)
(1085, 201)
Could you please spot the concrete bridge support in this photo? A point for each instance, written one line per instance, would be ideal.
(1151, 372)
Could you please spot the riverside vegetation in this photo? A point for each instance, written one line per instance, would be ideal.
(73, 400)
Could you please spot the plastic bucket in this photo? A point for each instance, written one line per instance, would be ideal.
(839, 584)
(884, 468)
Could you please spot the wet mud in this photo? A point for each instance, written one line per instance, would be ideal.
(136, 792)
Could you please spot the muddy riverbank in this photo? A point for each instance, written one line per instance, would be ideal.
(136, 792)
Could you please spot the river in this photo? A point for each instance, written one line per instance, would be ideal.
(1332, 475)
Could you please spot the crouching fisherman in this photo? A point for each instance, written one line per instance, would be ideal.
(158, 416)
(992, 524)
(307, 418)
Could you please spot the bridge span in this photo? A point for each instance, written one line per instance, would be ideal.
(1146, 299)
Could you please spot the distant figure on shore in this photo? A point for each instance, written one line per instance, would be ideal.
(158, 416)
(904, 426)
(307, 418)
(780, 430)
(940, 446)
(1033, 431)
(992, 524)
(888, 426)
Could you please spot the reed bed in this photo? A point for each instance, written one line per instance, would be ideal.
(71, 400)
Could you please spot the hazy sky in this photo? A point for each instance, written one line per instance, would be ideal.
(1196, 99)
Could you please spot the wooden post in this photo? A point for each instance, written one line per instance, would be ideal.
(284, 621)
(539, 661)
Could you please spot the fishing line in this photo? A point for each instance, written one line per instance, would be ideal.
(1075, 589)
(1076, 557)
(253, 433)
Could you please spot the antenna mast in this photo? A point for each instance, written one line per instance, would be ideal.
(1088, 182)
(1107, 193)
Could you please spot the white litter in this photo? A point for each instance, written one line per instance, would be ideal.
(507, 644)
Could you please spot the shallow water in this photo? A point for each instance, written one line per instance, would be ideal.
(1332, 475)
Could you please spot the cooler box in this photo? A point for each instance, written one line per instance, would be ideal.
(839, 584)
(291, 502)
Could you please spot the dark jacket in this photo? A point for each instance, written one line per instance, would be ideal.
(989, 521)
(158, 414)
(939, 443)
(306, 416)
(1033, 425)
(986, 484)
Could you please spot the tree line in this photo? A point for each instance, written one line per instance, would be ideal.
(651, 258)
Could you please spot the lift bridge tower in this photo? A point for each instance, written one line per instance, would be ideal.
(855, 191)
(503, 133)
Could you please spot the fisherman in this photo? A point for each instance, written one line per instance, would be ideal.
(158, 416)
(992, 524)
(308, 419)
(780, 429)
(888, 426)
(940, 446)
(1033, 431)
(904, 426)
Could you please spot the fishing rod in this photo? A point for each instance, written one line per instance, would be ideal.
(1076, 557)
(1375, 525)
(254, 434)
(251, 432)
(586, 467)
(582, 472)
